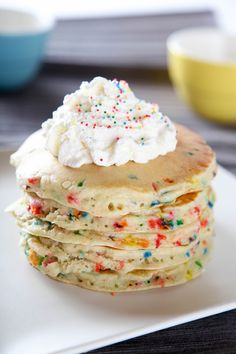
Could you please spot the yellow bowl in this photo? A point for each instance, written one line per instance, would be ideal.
(202, 66)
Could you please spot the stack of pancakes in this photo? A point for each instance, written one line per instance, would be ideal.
(118, 228)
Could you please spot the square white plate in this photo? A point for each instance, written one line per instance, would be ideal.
(42, 316)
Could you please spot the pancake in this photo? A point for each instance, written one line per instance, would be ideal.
(121, 240)
(107, 280)
(86, 258)
(118, 228)
(184, 211)
(117, 190)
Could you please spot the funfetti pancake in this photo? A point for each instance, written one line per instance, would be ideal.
(117, 190)
(186, 209)
(122, 240)
(116, 196)
(93, 275)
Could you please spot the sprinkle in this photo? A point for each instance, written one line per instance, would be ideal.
(159, 238)
(204, 223)
(135, 241)
(38, 222)
(40, 261)
(154, 202)
(84, 214)
(199, 264)
(155, 223)
(189, 274)
(205, 251)
(35, 208)
(147, 254)
(197, 210)
(143, 243)
(129, 240)
(26, 250)
(210, 204)
(162, 283)
(179, 222)
(177, 243)
(33, 258)
(72, 199)
(33, 180)
(81, 183)
(76, 213)
(48, 260)
(187, 254)
(81, 254)
(120, 225)
(98, 267)
(171, 215)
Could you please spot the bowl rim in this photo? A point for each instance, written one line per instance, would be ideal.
(172, 38)
(46, 20)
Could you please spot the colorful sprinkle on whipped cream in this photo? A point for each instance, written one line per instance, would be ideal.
(106, 124)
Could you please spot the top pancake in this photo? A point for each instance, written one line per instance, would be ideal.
(117, 190)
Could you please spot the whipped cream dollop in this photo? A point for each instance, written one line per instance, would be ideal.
(105, 123)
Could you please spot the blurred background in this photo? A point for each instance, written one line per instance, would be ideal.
(71, 41)
(48, 47)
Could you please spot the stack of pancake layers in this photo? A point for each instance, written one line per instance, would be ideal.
(118, 228)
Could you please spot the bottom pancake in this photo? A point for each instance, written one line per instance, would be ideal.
(116, 281)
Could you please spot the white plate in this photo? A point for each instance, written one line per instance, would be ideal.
(42, 316)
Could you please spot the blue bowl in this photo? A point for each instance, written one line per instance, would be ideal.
(23, 38)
